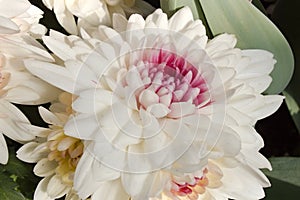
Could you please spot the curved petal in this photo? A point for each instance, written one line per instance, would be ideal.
(56, 188)
(45, 167)
(110, 190)
(19, 7)
(181, 19)
(7, 26)
(65, 17)
(84, 182)
(9, 125)
(32, 152)
(3, 150)
(41, 190)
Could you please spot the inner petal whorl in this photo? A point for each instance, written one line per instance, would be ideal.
(172, 78)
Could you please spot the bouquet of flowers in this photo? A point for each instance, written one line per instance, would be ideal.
(139, 100)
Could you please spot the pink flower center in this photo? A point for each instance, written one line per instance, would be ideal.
(173, 78)
(192, 191)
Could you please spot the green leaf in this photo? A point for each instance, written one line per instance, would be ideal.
(17, 168)
(291, 103)
(8, 188)
(281, 190)
(285, 169)
(171, 6)
(293, 108)
(253, 30)
(259, 5)
(17, 180)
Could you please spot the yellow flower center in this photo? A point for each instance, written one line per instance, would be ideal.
(66, 151)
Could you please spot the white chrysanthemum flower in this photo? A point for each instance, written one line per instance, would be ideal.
(160, 104)
(55, 153)
(14, 125)
(17, 85)
(17, 27)
(92, 13)
(225, 177)
(23, 18)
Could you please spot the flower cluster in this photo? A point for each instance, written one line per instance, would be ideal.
(141, 107)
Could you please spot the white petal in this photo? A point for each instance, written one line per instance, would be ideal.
(260, 84)
(84, 183)
(82, 126)
(46, 93)
(41, 190)
(158, 110)
(45, 167)
(239, 101)
(27, 47)
(102, 173)
(29, 95)
(228, 141)
(12, 112)
(110, 190)
(93, 60)
(251, 181)
(3, 150)
(9, 125)
(267, 106)
(148, 97)
(143, 186)
(119, 22)
(180, 109)
(53, 74)
(93, 101)
(107, 150)
(32, 152)
(181, 19)
(159, 18)
(13, 8)
(151, 125)
(49, 117)
(56, 188)
(57, 45)
(135, 21)
(33, 130)
(249, 136)
(255, 159)
(240, 117)
(48, 3)
(7, 26)
(65, 17)
(220, 43)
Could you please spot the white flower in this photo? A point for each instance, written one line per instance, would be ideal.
(17, 85)
(225, 177)
(55, 153)
(159, 102)
(23, 18)
(14, 125)
(92, 13)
